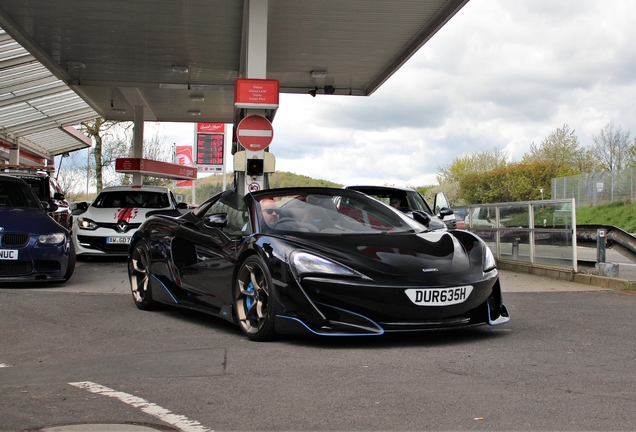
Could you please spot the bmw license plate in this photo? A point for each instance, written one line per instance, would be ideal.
(117, 240)
(8, 254)
(439, 296)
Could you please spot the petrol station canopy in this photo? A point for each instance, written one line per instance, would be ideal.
(179, 59)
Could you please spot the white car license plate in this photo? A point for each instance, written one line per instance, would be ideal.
(117, 240)
(439, 296)
(8, 254)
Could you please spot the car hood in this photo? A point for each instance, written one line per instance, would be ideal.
(426, 252)
(31, 220)
(113, 215)
(404, 255)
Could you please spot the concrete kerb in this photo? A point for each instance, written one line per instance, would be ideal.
(567, 275)
(603, 281)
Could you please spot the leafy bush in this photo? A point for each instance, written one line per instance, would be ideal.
(516, 182)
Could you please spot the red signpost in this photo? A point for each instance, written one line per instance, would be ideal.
(184, 157)
(210, 147)
(155, 168)
(256, 93)
(255, 133)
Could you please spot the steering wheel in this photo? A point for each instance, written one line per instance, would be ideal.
(404, 209)
(284, 220)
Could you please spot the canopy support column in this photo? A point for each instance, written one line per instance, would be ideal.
(14, 153)
(255, 67)
(138, 141)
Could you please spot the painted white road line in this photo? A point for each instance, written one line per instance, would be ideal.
(178, 421)
(4, 365)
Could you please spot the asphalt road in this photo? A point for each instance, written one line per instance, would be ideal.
(82, 354)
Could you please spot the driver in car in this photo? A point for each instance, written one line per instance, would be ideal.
(395, 201)
(270, 211)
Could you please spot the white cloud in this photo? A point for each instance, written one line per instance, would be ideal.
(500, 73)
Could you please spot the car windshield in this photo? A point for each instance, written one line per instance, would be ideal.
(132, 198)
(398, 198)
(16, 194)
(37, 185)
(329, 211)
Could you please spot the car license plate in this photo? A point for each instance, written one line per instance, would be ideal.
(117, 240)
(8, 254)
(439, 296)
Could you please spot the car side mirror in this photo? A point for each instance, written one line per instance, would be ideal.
(422, 217)
(58, 196)
(182, 205)
(432, 223)
(79, 208)
(49, 206)
(445, 211)
(218, 220)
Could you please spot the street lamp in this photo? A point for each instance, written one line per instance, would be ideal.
(59, 167)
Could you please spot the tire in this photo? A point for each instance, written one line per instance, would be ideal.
(70, 225)
(254, 300)
(139, 274)
(70, 266)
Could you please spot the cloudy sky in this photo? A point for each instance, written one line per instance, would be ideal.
(501, 74)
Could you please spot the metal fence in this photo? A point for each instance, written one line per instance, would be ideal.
(596, 188)
(541, 232)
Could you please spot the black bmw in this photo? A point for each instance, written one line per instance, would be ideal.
(330, 262)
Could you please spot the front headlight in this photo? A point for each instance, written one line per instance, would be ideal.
(55, 238)
(304, 262)
(87, 224)
(489, 259)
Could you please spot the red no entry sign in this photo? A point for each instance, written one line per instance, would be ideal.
(254, 133)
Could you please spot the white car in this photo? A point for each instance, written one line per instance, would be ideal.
(409, 200)
(106, 227)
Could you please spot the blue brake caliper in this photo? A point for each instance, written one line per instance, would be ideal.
(249, 301)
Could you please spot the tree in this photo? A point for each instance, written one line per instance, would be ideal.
(562, 147)
(68, 178)
(105, 151)
(451, 190)
(155, 148)
(514, 182)
(612, 148)
(112, 140)
(288, 179)
(478, 162)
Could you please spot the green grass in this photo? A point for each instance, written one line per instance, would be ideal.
(618, 214)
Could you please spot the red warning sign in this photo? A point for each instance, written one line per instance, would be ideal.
(255, 133)
(254, 187)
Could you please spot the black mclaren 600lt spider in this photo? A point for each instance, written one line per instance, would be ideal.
(329, 262)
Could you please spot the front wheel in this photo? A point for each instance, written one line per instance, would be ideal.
(254, 300)
(70, 266)
(139, 273)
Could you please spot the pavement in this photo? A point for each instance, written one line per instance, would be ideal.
(102, 428)
(511, 282)
(523, 282)
(617, 272)
(626, 267)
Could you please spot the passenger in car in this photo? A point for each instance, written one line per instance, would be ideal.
(36, 189)
(152, 201)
